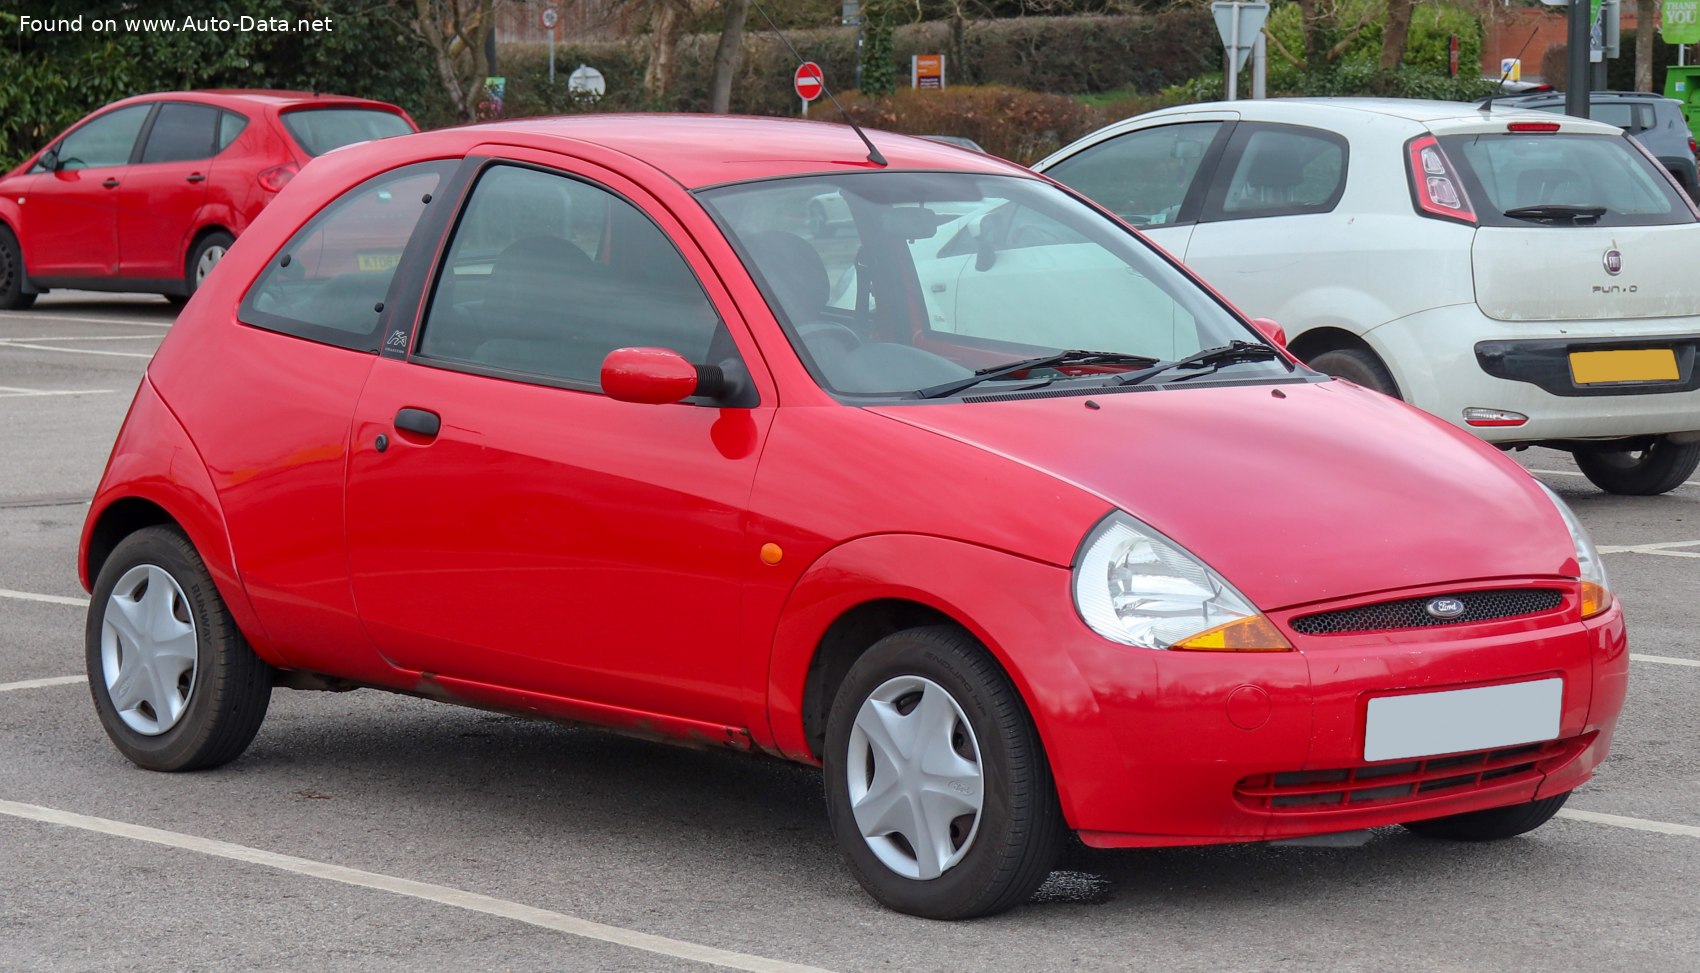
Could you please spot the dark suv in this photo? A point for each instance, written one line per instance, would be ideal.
(1655, 121)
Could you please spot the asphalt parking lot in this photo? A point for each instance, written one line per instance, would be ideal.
(365, 831)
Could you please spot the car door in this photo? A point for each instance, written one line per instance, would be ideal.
(1153, 177)
(70, 225)
(509, 524)
(1271, 227)
(163, 191)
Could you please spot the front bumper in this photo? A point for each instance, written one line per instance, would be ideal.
(1448, 359)
(1195, 748)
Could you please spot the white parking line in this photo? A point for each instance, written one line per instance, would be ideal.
(49, 599)
(12, 393)
(1579, 473)
(441, 894)
(1664, 659)
(1636, 824)
(36, 316)
(1659, 548)
(75, 351)
(6, 687)
(86, 337)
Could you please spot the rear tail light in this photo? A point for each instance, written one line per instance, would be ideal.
(1434, 183)
(1493, 417)
(277, 177)
(1693, 148)
(1532, 127)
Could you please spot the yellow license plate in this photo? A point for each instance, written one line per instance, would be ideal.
(378, 261)
(1641, 365)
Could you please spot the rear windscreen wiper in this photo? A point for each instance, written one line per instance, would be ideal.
(1557, 213)
(1074, 357)
(1230, 352)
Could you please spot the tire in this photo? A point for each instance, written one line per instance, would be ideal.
(1007, 831)
(175, 300)
(1660, 468)
(1494, 824)
(12, 296)
(1357, 365)
(202, 258)
(208, 692)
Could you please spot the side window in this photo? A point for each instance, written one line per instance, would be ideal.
(1279, 170)
(105, 141)
(1144, 176)
(329, 282)
(181, 133)
(547, 274)
(230, 125)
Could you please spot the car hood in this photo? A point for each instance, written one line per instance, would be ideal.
(1296, 493)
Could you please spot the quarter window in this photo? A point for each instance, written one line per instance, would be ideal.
(181, 133)
(105, 141)
(230, 125)
(548, 274)
(330, 282)
(1143, 177)
(1279, 170)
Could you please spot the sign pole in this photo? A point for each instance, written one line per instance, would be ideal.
(1576, 60)
(1234, 58)
(1259, 67)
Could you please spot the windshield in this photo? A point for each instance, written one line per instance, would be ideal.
(932, 283)
(319, 130)
(1525, 177)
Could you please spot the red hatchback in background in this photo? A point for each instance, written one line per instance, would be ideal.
(577, 418)
(148, 193)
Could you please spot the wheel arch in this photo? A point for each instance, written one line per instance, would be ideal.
(195, 238)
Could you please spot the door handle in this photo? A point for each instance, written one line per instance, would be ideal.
(196, 177)
(110, 183)
(419, 421)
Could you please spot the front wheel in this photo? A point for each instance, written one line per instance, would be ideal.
(937, 786)
(1660, 468)
(174, 682)
(1493, 824)
(12, 296)
(1359, 366)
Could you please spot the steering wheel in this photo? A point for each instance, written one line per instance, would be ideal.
(830, 331)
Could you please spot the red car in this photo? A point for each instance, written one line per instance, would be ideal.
(573, 418)
(149, 192)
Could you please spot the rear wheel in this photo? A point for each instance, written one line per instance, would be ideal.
(202, 259)
(937, 786)
(12, 296)
(174, 682)
(1660, 468)
(1359, 366)
(1493, 824)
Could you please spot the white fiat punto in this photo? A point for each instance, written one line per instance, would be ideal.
(1526, 276)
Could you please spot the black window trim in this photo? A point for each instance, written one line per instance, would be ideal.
(1230, 160)
(411, 255)
(1203, 178)
(474, 172)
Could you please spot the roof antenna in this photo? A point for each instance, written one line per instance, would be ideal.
(873, 153)
(1499, 89)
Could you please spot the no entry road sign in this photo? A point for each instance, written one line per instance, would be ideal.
(808, 81)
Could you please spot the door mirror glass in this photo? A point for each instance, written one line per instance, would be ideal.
(651, 376)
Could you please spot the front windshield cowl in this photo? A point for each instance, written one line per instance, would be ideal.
(926, 285)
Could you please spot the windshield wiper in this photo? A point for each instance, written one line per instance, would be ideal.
(1073, 357)
(1557, 213)
(1231, 352)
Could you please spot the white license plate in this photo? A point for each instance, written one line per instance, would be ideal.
(1425, 724)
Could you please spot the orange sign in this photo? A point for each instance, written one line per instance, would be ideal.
(926, 71)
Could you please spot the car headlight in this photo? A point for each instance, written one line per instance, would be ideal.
(1596, 591)
(1134, 586)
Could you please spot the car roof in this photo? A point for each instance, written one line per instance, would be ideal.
(707, 150)
(259, 98)
(1446, 115)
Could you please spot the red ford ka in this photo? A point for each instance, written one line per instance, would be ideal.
(577, 418)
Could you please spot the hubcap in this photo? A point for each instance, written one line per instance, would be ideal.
(147, 650)
(916, 789)
(209, 259)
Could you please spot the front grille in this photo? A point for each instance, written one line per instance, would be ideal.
(1479, 606)
(1374, 785)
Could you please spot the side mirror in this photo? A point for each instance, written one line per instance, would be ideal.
(49, 160)
(652, 376)
(1276, 334)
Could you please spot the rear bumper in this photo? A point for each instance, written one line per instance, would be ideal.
(1453, 358)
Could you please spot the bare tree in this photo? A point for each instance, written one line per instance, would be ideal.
(726, 55)
(458, 32)
(1646, 25)
(1397, 29)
